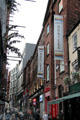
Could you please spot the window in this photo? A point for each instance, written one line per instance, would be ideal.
(75, 66)
(48, 49)
(60, 5)
(74, 38)
(48, 70)
(61, 66)
(47, 28)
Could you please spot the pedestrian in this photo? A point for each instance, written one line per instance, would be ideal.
(45, 116)
(29, 115)
(37, 115)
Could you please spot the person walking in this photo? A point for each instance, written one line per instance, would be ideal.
(29, 115)
(45, 116)
(36, 115)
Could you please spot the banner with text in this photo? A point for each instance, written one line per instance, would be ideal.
(58, 37)
(40, 62)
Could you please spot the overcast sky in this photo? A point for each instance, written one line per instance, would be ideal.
(30, 15)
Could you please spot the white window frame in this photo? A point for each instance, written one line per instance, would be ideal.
(61, 66)
(48, 29)
(48, 72)
(48, 46)
(74, 38)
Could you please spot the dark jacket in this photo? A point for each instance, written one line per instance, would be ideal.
(36, 116)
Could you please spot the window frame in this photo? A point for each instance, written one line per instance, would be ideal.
(74, 41)
(48, 49)
(48, 29)
(48, 72)
(62, 66)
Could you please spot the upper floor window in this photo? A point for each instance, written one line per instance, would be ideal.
(60, 5)
(48, 49)
(61, 65)
(47, 28)
(75, 66)
(48, 71)
(74, 38)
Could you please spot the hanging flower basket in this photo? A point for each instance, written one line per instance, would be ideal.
(67, 80)
(75, 76)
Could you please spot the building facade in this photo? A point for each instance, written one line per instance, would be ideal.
(28, 52)
(58, 22)
(74, 77)
(13, 86)
(42, 82)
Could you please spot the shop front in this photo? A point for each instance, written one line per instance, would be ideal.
(72, 109)
(36, 101)
(47, 95)
(71, 106)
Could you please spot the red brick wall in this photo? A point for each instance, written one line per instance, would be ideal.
(71, 14)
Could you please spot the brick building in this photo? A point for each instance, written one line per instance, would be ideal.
(61, 69)
(55, 70)
(33, 86)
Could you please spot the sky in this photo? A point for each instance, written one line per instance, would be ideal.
(30, 15)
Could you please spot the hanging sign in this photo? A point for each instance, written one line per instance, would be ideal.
(58, 37)
(40, 73)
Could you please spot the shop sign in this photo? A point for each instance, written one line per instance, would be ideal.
(34, 101)
(40, 73)
(40, 98)
(55, 110)
(47, 89)
(47, 94)
(58, 37)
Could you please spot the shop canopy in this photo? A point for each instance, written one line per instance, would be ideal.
(57, 101)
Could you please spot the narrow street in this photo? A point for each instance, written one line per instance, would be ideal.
(39, 60)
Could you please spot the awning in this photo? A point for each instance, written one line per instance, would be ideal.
(57, 101)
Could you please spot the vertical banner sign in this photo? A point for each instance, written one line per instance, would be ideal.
(40, 62)
(58, 37)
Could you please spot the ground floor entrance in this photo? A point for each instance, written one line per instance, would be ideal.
(72, 109)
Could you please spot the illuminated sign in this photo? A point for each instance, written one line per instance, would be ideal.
(41, 98)
(34, 101)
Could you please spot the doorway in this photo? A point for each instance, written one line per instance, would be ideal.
(72, 109)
